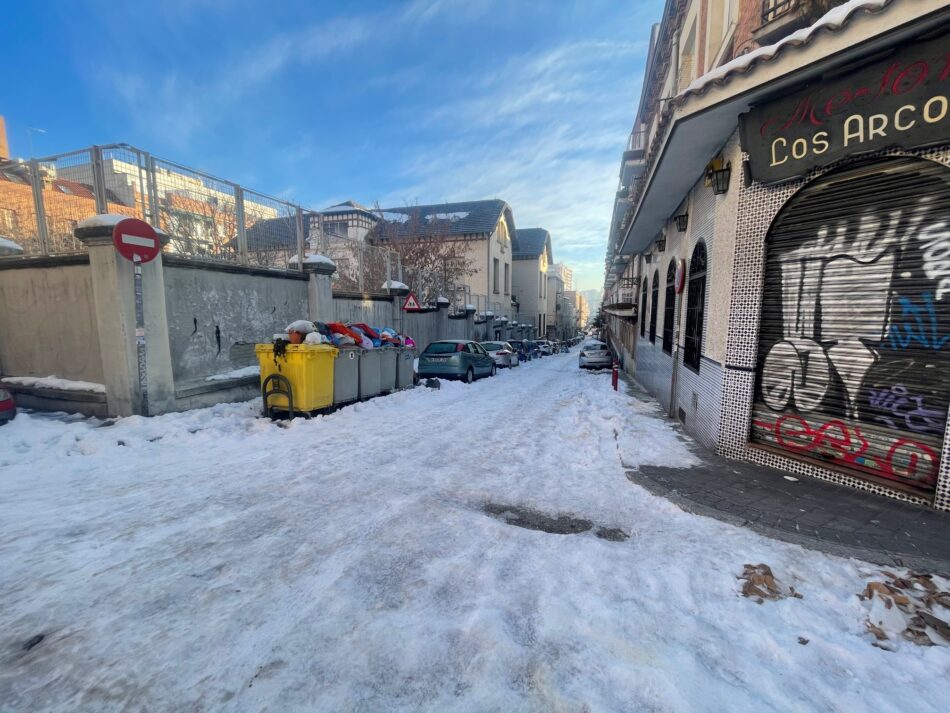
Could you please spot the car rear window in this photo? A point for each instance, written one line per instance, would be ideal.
(492, 346)
(440, 348)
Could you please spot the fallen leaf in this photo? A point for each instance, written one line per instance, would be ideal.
(938, 625)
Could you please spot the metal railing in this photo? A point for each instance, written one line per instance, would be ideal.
(774, 9)
(205, 217)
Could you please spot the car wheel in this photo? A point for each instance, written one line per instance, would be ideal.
(469, 375)
(494, 370)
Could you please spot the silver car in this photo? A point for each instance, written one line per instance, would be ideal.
(503, 354)
(594, 355)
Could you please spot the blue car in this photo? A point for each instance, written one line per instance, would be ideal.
(455, 359)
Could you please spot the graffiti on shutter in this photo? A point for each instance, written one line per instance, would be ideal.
(855, 329)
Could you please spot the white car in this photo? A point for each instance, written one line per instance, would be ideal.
(545, 346)
(503, 353)
(594, 355)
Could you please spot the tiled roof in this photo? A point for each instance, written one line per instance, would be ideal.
(346, 207)
(467, 218)
(531, 243)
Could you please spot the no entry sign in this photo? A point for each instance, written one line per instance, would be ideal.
(136, 240)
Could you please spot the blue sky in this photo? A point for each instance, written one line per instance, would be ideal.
(422, 101)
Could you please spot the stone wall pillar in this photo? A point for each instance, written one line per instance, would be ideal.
(113, 287)
(320, 291)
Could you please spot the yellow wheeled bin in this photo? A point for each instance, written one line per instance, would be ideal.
(296, 378)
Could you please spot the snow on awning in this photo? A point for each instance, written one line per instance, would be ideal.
(700, 125)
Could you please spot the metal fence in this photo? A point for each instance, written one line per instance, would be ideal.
(205, 217)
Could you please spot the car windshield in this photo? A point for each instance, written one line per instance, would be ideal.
(594, 346)
(440, 348)
(492, 346)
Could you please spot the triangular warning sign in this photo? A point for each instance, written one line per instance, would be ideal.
(411, 304)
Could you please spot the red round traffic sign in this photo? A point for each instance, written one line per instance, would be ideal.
(136, 240)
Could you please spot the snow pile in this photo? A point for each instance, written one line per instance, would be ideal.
(470, 308)
(236, 373)
(54, 382)
(834, 18)
(394, 285)
(104, 220)
(313, 259)
(351, 559)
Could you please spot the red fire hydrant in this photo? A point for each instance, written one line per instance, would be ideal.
(615, 375)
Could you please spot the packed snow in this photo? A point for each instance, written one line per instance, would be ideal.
(216, 561)
(835, 17)
(54, 382)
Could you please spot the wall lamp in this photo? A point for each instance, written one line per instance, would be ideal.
(717, 175)
(682, 220)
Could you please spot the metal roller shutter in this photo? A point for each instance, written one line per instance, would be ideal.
(855, 326)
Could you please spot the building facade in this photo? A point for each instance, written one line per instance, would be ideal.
(779, 258)
(532, 258)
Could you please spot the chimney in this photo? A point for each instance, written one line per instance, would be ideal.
(4, 146)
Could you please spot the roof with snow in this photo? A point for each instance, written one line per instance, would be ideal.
(835, 20)
(531, 243)
(346, 207)
(470, 218)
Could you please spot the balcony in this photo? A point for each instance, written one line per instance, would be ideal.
(634, 158)
(780, 18)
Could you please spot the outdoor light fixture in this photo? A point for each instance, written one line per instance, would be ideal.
(682, 220)
(718, 176)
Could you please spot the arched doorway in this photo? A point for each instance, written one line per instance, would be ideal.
(854, 341)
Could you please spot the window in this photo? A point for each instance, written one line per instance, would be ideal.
(654, 299)
(8, 220)
(494, 277)
(695, 307)
(335, 228)
(643, 310)
(507, 278)
(669, 307)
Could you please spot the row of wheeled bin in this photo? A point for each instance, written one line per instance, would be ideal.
(304, 378)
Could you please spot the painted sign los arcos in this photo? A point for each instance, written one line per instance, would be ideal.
(901, 100)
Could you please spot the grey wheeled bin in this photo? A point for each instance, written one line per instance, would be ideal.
(388, 360)
(370, 373)
(346, 376)
(405, 369)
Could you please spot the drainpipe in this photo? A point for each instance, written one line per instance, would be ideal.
(677, 323)
(676, 62)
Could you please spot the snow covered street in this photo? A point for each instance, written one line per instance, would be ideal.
(213, 560)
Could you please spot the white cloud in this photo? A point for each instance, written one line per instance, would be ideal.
(545, 133)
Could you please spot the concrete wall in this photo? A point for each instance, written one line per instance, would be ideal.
(217, 313)
(47, 319)
(374, 312)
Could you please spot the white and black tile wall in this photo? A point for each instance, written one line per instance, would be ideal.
(758, 207)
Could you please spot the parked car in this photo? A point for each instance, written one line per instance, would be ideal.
(456, 359)
(546, 347)
(594, 355)
(534, 349)
(503, 353)
(7, 406)
(519, 345)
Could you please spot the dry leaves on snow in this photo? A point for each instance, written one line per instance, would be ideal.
(760, 584)
(907, 607)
